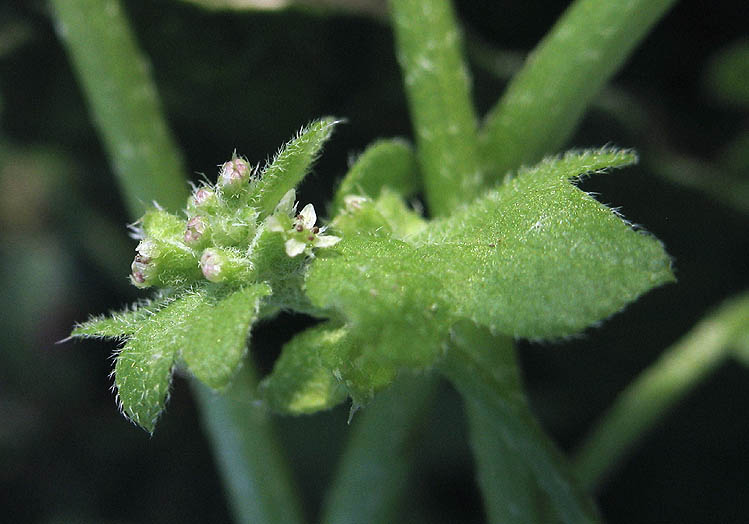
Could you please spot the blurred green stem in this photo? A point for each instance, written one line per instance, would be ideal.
(247, 453)
(547, 98)
(437, 84)
(524, 479)
(122, 95)
(373, 475)
(679, 370)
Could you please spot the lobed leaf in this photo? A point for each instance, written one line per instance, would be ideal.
(290, 165)
(206, 326)
(536, 258)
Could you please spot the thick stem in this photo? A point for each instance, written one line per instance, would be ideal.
(547, 98)
(437, 84)
(523, 477)
(247, 453)
(373, 475)
(122, 97)
(658, 388)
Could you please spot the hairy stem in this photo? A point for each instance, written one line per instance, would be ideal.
(547, 98)
(437, 84)
(658, 388)
(122, 97)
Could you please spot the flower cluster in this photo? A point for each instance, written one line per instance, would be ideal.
(222, 229)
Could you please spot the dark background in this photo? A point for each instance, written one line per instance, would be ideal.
(248, 81)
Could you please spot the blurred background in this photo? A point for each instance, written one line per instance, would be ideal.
(248, 80)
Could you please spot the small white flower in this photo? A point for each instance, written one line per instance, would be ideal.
(294, 247)
(325, 240)
(307, 216)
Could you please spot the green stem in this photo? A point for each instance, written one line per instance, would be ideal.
(548, 97)
(523, 477)
(658, 388)
(116, 79)
(437, 84)
(248, 454)
(122, 95)
(373, 474)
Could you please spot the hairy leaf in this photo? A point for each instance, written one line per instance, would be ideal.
(539, 258)
(214, 341)
(300, 381)
(290, 165)
(144, 365)
(120, 323)
(536, 258)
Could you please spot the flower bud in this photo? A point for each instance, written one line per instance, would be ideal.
(234, 175)
(142, 270)
(220, 265)
(195, 231)
(164, 264)
(204, 200)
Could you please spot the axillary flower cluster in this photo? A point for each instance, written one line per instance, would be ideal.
(222, 231)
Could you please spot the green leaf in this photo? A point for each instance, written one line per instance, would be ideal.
(215, 338)
(300, 381)
(387, 302)
(120, 324)
(523, 477)
(290, 165)
(538, 258)
(144, 365)
(437, 85)
(387, 297)
(387, 163)
(547, 98)
(206, 326)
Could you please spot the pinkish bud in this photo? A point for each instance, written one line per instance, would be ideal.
(211, 264)
(202, 196)
(196, 227)
(234, 174)
(140, 269)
